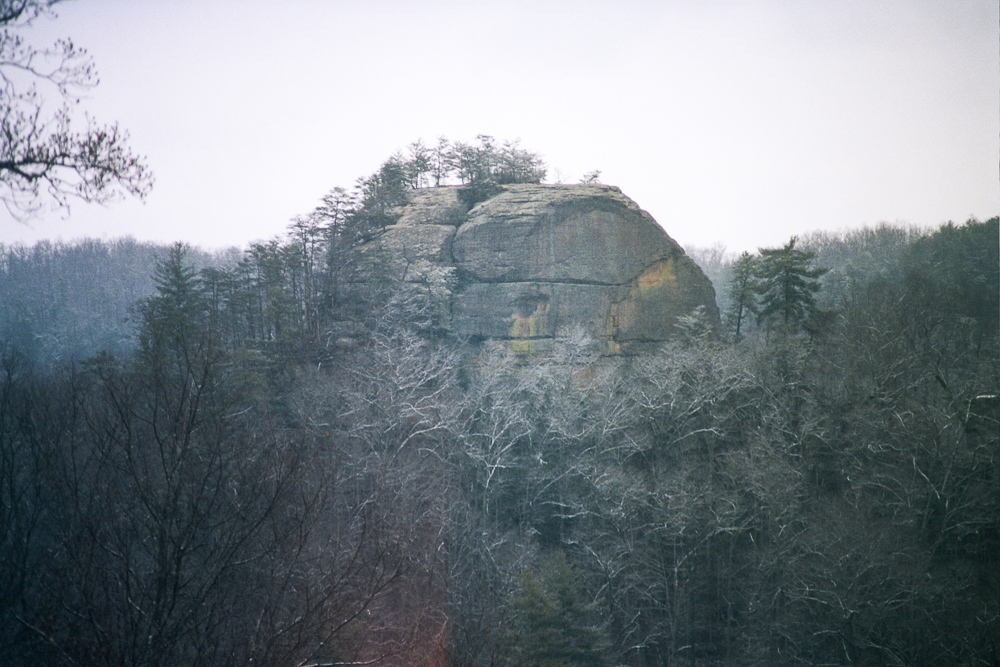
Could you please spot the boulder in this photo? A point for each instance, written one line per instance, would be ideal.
(540, 263)
(586, 234)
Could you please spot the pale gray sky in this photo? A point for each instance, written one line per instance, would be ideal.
(740, 122)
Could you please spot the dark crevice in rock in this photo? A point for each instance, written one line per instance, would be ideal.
(592, 283)
(639, 340)
(471, 196)
(525, 338)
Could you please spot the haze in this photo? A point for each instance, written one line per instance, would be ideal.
(733, 123)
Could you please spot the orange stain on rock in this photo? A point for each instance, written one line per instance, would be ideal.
(659, 274)
(526, 327)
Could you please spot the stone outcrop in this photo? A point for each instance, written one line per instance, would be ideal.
(536, 263)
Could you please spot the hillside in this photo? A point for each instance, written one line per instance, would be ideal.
(315, 455)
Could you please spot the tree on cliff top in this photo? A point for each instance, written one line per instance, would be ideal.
(45, 155)
(489, 163)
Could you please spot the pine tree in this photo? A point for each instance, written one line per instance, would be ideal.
(742, 293)
(787, 285)
(178, 311)
(554, 628)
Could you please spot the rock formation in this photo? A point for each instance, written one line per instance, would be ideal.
(536, 263)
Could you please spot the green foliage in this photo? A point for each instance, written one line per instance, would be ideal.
(419, 165)
(178, 310)
(695, 328)
(381, 192)
(743, 290)
(787, 285)
(177, 344)
(556, 627)
(859, 256)
(484, 168)
(500, 165)
(958, 269)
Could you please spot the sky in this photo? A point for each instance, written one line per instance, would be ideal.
(737, 123)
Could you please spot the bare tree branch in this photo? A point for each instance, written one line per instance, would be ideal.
(45, 158)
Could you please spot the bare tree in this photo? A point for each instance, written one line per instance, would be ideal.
(44, 153)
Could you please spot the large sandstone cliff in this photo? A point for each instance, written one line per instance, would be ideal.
(536, 263)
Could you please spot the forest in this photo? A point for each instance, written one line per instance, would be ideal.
(225, 458)
(197, 469)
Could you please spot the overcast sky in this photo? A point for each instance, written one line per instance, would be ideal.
(737, 122)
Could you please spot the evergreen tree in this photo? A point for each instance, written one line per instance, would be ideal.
(787, 285)
(177, 313)
(419, 166)
(742, 293)
(553, 622)
(956, 272)
(378, 193)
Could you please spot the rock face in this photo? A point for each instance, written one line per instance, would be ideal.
(536, 263)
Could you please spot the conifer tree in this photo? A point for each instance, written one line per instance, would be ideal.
(742, 293)
(177, 314)
(554, 623)
(787, 285)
